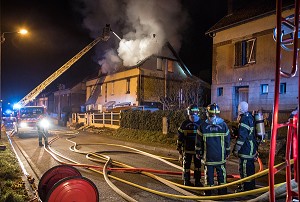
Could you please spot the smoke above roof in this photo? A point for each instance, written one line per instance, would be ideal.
(142, 25)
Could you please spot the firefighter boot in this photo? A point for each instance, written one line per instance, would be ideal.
(197, 176)
(41, 144)
(186, 178)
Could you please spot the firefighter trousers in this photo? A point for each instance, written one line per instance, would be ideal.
(247, 168)
(43, 134)
(187, 161)
(221, 177)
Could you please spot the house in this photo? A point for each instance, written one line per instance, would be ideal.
(160, 81)
(244, 59)
(45, 99)
(68, 100)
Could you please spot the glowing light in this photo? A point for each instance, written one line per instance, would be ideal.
(17, 106)
(23, 31)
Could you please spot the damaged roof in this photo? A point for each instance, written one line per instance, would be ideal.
(246, 11)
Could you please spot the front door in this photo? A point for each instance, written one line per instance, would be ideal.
(241, 94)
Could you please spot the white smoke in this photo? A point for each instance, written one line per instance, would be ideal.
(110, 63)
(143, 25)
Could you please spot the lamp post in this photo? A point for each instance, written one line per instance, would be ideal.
(23, 32)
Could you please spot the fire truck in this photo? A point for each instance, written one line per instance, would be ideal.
(28, 117)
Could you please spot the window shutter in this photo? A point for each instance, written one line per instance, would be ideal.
(238, 54)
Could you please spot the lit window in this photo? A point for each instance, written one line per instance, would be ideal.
(170, 66)
(128, 86)
(282, 88)
(264, 88)
(245, 52)
(220, 91)
(100, 94)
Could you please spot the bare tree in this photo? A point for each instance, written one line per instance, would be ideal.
(181, 94)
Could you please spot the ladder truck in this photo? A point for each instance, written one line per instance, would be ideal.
(27, 117)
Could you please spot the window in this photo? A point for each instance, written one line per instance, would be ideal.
(220, 91)
(170, 66)
(264, 88)
(282, 88)
(101, 92)
(159, 64)
(128, 86)
(245, 52)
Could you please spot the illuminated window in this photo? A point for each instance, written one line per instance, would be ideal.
(170, 66)
(245, 52)
(128, 86)
(100, 94)
(220, 91)
(264, 88)
(282, 88)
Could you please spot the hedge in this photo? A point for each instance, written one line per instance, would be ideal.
(147, 120)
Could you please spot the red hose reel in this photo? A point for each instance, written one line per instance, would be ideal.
(64, 183)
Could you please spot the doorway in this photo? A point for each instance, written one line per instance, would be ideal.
(241, 94)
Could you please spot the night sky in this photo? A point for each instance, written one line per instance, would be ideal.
(57, 33)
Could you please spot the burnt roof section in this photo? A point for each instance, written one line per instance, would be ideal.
(170, 47)
(246, 11)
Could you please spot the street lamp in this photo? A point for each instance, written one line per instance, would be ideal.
(22, 32)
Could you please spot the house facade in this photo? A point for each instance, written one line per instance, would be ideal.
(69, 100)
(244, 61)
(158, 81)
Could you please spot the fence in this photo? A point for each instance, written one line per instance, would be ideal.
(104, 119)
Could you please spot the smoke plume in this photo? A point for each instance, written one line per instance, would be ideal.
(143, 26)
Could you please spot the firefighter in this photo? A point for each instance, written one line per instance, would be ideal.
(215, 147)
(245, 147)
(42, 128)
(188, 146)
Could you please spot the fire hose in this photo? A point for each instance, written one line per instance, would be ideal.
(256, 191)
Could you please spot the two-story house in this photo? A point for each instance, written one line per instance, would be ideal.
(244, 59)
(68, 100)
(161, 81)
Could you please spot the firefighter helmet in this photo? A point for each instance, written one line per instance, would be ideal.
(213, 109)
(193, 110)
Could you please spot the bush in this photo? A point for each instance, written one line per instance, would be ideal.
(152, 121)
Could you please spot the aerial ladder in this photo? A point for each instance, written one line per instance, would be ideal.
(35, 92)
(286, 35)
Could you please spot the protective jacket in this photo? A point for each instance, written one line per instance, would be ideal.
(246, 144)
(214, 141)
(187, 137)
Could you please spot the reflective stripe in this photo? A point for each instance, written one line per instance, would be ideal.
(240, 142)
(215, 134)
(244, 168)
(189, 131)
(197, 148)
(245, 126)
(224, 174)
(222, 146)
(251, 147)
(205, 175)
(215, 163)
(246, 156)
(248, 128)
